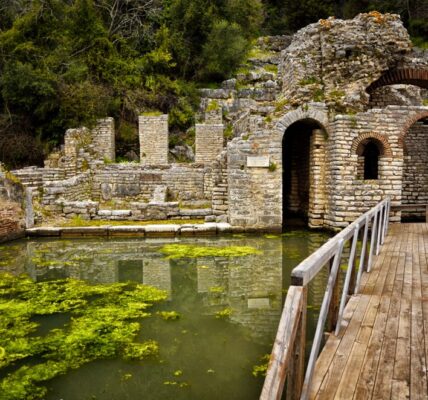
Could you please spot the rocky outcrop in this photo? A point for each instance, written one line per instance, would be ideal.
(334, 61)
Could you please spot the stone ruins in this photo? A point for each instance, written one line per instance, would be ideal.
(320, 126)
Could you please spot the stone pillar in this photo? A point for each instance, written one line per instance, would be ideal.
(209, 142)
(317, 178)
(153, 135)
(104, 139)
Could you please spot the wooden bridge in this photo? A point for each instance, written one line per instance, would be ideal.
(378, 345)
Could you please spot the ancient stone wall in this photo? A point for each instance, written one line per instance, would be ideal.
(351, 195)
(334, 60)
(104, 139)
(12, 203)
(209, 142)
(76, 188)
(12, 225)
(153, 135)
(255, 180)
(398, 95)
(135, 182)
(415, 168)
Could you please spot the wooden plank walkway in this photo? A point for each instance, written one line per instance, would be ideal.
(381, 351)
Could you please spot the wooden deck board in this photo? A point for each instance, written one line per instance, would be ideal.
(381, 351)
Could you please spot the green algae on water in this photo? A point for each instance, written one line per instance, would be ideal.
(103, 324)
(261, 369)
(169, 315)
(192, 251)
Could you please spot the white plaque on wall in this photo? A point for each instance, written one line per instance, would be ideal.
(258, 161)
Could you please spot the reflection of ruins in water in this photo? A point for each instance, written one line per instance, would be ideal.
(250, 287)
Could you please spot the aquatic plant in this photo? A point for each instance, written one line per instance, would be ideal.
(225, 313)
(102, 325)
(192, 251)
(169, 315)
(261, 369)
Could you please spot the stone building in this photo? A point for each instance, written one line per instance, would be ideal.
(322, 126)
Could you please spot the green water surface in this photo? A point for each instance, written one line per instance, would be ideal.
(228, 307)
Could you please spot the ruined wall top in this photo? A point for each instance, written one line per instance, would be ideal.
(334, 61)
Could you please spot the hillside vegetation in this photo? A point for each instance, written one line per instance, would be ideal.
(65, 63)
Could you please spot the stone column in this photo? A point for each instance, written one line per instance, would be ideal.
(104, 139)
(153, 135)
(209, 142)
(317, 178)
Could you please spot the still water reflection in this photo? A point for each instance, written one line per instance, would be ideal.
(201, 356)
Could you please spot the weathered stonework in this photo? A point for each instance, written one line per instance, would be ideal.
(299, 127)
(153, 134)
(208, 142)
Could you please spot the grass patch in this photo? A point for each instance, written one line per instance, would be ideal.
(192, 251)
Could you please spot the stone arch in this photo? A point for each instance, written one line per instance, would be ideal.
(408, 124)
(358, 144)
(408, 76)
(304, 146)
(288, 119)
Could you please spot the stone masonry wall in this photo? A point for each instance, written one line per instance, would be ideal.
(336, 60)
(104, 139)
(255, 195)
(12, 202)
(153, 135)
(255, 171)
(134, 182)
(209, 142)
(397, 95)
(415, 168)
(350, 195)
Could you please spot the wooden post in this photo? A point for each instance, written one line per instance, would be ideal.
(333, 309)
(426, 214)
(379, 230)
(372, 243)
(296, 373)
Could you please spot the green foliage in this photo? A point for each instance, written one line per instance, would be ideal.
(272, 166)
(192, 251)
(65, 64)
(213, 106)
(228, 131)
(103, 324)
(225, 48)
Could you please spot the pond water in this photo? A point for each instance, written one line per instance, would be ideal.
(228, 308)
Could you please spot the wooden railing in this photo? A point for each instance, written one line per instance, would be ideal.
(287, 361)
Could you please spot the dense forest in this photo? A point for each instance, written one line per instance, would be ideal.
(65, 63)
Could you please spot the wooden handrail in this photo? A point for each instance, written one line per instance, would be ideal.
(288, 353)
(282, 351)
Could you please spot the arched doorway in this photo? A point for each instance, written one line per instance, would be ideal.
(415, 168)
(303, 157)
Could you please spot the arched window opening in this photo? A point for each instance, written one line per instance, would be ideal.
(369, 151)
(371, 155)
